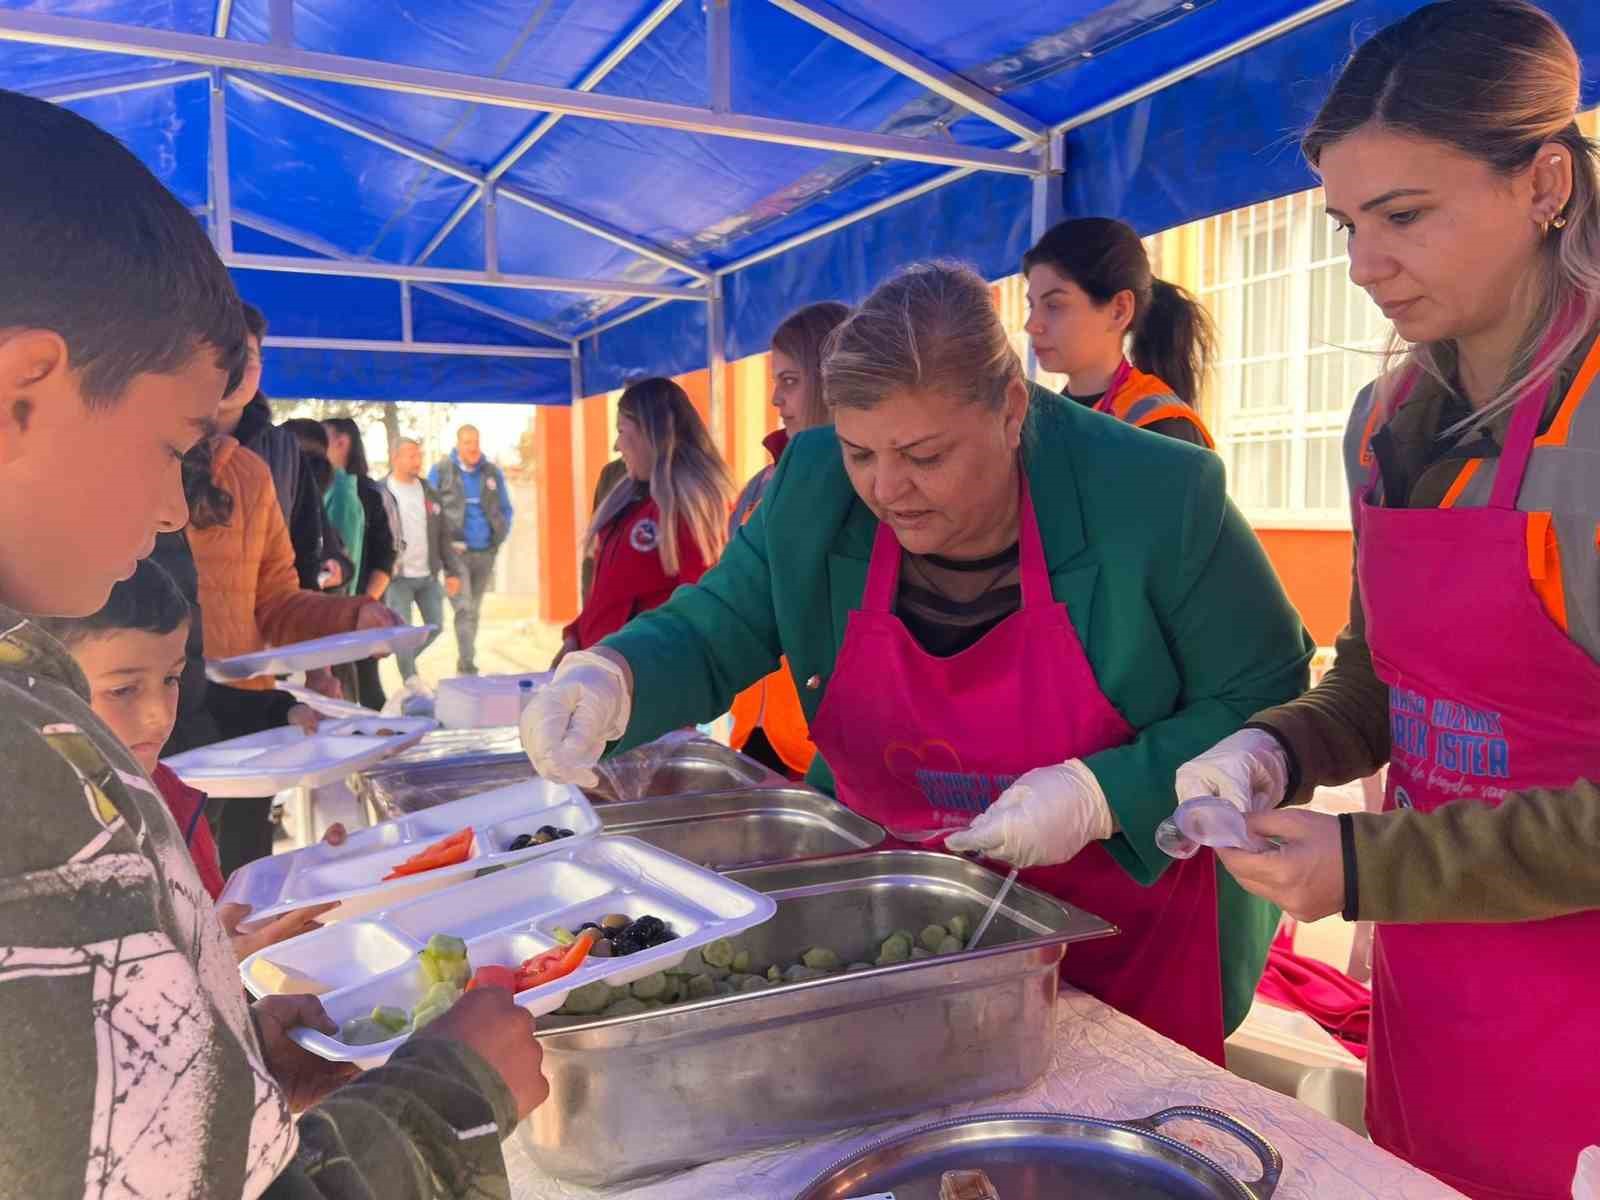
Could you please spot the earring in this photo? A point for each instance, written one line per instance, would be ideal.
(1558, 222)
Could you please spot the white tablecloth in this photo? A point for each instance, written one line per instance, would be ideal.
(1104, 1065)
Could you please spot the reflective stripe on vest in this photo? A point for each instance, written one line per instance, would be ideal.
(1561, 494)
(1144, 399)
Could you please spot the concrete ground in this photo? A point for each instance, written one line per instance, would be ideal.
(511, 641)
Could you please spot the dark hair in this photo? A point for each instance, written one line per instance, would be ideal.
(209, 505)
(357, 462)
(313, 436)
(1494, 80)
(95, 249)
(1172, 335)
(148, 601)
(801, 337)
(255, 321)
(931, 327)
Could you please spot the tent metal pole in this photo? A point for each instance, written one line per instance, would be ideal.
(491, 233)
(404, 146)
(719, 55)
(717, 362)
(406, 321)
(904, 61)
(367, 269)
(317, 246)
(1290, 23)
(1045, 205)
(221, 196)
(469, 349)
(280, 23)
(219, 28)
(74, 33)
(615, 322)
(123, 81)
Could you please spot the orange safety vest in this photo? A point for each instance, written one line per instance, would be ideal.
(773, 703)
(1141, 400)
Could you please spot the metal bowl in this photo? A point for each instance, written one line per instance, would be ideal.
(1043, 1156)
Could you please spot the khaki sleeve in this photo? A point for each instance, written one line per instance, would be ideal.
(1339, 730)
(1535, 856)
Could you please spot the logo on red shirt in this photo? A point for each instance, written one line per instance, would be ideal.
(644, 536)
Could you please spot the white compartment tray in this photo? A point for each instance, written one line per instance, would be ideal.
(508, 917)
(353, 873)
(263, 764)
(320, 652)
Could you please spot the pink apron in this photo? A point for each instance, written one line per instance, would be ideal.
(1485, 1053)
(918, 742)
(1107, 402)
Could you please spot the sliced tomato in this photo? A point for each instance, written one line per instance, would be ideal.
(456, 848)
(493, 976)
(555, 964)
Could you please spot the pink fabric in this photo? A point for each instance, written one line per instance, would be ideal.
(1485, 1043)
(1107, 401)
(918, 742)
(1326, 994)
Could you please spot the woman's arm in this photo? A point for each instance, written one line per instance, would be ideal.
(1237, 644)
(691, 656)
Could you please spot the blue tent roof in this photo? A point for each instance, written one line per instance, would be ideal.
(392, 190)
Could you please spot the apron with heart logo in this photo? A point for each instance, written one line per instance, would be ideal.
(918, 742)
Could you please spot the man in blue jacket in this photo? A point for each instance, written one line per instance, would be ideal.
(477, 514)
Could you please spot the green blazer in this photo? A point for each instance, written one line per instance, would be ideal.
(1184, 622)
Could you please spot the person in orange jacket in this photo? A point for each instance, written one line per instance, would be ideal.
(768, 723)
(1132, 346)
(663, 523)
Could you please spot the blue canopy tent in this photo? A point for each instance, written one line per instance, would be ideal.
(532, 201)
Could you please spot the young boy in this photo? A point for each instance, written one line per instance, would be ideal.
(132, 654)
(131, 1063)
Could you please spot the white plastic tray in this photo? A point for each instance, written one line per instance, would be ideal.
(507, 918)
(262, 764)
(353, 873)
(319, 652)
(482, 701)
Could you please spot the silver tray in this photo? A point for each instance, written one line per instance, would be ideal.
(697, 1082)
(689, 767)
(1043, 1156)
(752, 827)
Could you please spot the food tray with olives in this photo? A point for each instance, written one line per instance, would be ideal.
(423, 852)
(263, 764)
(589, 910)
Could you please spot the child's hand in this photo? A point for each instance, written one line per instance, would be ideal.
(322, 682)
(304, 1077)
(336, 834)
(305, 718)
(302, 920)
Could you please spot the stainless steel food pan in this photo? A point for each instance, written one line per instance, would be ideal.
(1044, 1156)
(747, 828)
(678, 1086)
(661, 769)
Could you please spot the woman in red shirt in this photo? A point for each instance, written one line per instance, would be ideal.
(666, 520)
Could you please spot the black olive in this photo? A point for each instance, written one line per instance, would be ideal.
(647, 929)
(593, 926)
(541, 839)
(548, 830)
(563, 833)
(522, 841)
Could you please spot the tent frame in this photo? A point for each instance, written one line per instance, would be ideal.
(254, 67)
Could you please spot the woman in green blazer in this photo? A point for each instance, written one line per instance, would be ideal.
(1009, 618)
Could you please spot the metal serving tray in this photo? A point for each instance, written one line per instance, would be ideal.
(1043, 1156)
(752, 827)
(679, 1086)
(660, 769)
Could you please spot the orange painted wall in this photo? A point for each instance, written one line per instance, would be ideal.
(597, 450)
(1314, 565)
(558, 566)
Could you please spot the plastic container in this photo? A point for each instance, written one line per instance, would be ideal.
(263, 764)
(331, 651)
(483, 701)
(353, 873)
(509, 917)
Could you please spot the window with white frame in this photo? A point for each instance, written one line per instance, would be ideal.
(1297, 340)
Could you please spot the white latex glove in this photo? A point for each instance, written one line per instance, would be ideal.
(1247, 769)
(1586, 1183)
(1045, 817)
(569, 721)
